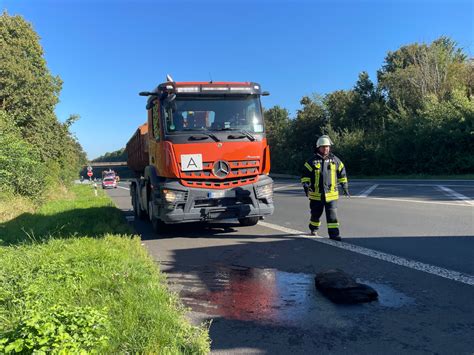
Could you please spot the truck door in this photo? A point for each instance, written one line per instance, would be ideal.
(155, 133)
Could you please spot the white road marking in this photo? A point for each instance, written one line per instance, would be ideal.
(121, 187)
(452, 193)
(408, 184)
(415, 201)
(457, 203)
(426, 185)
(284, 187)
(368, 191)
(412, 264)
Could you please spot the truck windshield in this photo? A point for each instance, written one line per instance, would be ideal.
(214, 114)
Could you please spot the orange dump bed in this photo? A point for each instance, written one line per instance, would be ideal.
(137, 149)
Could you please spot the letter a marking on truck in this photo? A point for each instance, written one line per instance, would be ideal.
(191, 162)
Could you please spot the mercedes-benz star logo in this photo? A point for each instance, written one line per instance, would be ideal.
(221, 169)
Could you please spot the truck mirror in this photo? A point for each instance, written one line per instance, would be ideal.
(170, 97)
(147, 93)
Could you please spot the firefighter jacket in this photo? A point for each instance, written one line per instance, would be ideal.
(323, 175)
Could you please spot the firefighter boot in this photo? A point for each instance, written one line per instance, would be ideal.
(314, 232)
(313, 229)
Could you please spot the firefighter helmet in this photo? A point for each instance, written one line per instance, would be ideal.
(323, 140)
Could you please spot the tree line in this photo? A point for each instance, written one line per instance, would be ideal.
(37, 151)
(117, 155)
(417, 119)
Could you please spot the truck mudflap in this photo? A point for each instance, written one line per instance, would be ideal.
(176, 203)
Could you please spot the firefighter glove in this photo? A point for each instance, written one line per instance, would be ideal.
(345, 190)
(306, 188)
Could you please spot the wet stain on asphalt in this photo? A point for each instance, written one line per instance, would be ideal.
(388, 296)
(274, 297)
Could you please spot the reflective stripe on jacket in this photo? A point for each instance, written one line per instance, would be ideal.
(323, 175)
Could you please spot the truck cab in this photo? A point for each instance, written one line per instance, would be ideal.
(206, 152)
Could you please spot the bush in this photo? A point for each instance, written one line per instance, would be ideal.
(20, 169)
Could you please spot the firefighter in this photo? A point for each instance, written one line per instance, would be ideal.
(320, 178)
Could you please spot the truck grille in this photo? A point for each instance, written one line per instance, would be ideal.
(242, 172)
(222, 202)
(219, 184)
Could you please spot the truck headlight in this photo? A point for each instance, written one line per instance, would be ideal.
(265, 191)
(173, 195)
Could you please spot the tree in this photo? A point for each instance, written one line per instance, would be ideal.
(339, 109)
(311, 121)
(277, 125)
(28, 91)
(417, 70)
(28, 95)
(20, 169)
(117, 155)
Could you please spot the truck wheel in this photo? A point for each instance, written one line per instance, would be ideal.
(137, 211)
(156, 224)
(248, 221)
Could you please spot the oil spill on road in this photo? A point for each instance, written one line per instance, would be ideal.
(273, 297)
(388, 296)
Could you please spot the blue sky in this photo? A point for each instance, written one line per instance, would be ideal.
(107, 51)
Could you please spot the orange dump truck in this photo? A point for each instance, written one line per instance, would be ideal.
(202, 155)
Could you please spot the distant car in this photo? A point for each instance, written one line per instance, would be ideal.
(109, 183)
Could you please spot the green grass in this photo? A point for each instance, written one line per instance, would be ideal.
(12, 205)
(79, 213)
(72, 293)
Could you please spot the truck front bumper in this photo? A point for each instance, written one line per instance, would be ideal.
(201, 204)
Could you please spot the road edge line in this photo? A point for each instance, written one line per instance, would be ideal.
(454, 203)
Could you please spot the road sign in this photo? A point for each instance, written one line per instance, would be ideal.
(89, 168)
(89, 173)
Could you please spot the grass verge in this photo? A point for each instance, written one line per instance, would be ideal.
(75, 293)
(11, 206)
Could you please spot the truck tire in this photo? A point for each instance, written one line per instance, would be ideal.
(248, 221)
(156, 224)
(137, 211)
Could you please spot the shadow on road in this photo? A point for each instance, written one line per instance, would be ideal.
(193, 230)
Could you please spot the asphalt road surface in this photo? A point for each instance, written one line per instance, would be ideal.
(413, 241)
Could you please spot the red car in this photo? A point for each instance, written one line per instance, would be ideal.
(109, 183)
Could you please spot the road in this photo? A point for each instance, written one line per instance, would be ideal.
(413, 241)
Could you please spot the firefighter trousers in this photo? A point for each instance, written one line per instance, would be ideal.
(317, 208)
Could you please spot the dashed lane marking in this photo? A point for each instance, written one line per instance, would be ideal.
(454, 203)
(408, 184)
(456, 195)
(368, 191)
(121, 187)
(415, 201)
(412, 264)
